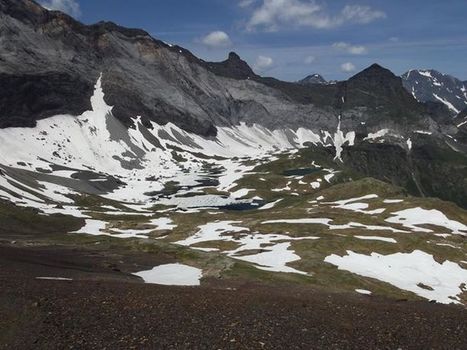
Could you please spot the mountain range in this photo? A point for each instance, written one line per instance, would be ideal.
(425, 86)
(108, 132)
(51, 63)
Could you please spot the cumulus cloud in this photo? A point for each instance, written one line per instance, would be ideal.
(274, 14)
(217, 39)
(348, 67)
(352, 49)
(70, 7)
(309, 59)
(263, 63)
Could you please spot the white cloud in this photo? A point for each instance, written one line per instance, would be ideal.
(348, 67)
(263, 63)
(246, 3)
(217, 39)
(309, 59)
(274, 14)
(360, 14)
(68, 6)
(352, 49)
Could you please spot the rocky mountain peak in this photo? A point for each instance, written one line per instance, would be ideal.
(313, 79)
(375, 73)
(381, 90)
(233, 56)
(233, 67)
(377, 80)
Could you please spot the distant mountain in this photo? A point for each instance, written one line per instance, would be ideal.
(68, 89)
(313, 79)
(433, 86)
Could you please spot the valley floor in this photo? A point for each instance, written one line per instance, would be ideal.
(100, 306)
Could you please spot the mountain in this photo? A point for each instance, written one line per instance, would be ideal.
(433, 86)
(313, 79)
(55, 61)
(53, 65)
(118, 142)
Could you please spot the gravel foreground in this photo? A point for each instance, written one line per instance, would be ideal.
(88, 313)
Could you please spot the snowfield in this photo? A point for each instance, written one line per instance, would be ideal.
(140, 157)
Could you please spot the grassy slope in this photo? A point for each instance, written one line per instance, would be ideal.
(345, 184)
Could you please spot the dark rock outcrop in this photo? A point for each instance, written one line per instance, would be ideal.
(233, 67)
(26, 98)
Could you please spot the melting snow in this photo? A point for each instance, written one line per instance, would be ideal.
(54, 278)
(340, 139)
(409, 144)
(417, 272)
(377, 238)
(354, 205)
(270, 205)
(274, 252)
(447, 103)
(425, 73)
(172, 275)
(240, 193)
(414, 217)
(327, 222)
(363, 291)
(392, 201)
(377, 135)
(163, 224)
(92, 227)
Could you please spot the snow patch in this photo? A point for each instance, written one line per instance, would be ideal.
(172, 275)
(417, 272)
(270, 252)
(377, 238)
(414, 217)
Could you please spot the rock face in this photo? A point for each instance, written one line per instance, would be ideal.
(25, 98)
(433, 86)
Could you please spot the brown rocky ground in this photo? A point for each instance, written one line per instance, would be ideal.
(103, 308)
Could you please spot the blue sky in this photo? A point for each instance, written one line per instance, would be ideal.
(290, 39)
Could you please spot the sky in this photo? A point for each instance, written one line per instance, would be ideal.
(290, 39)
